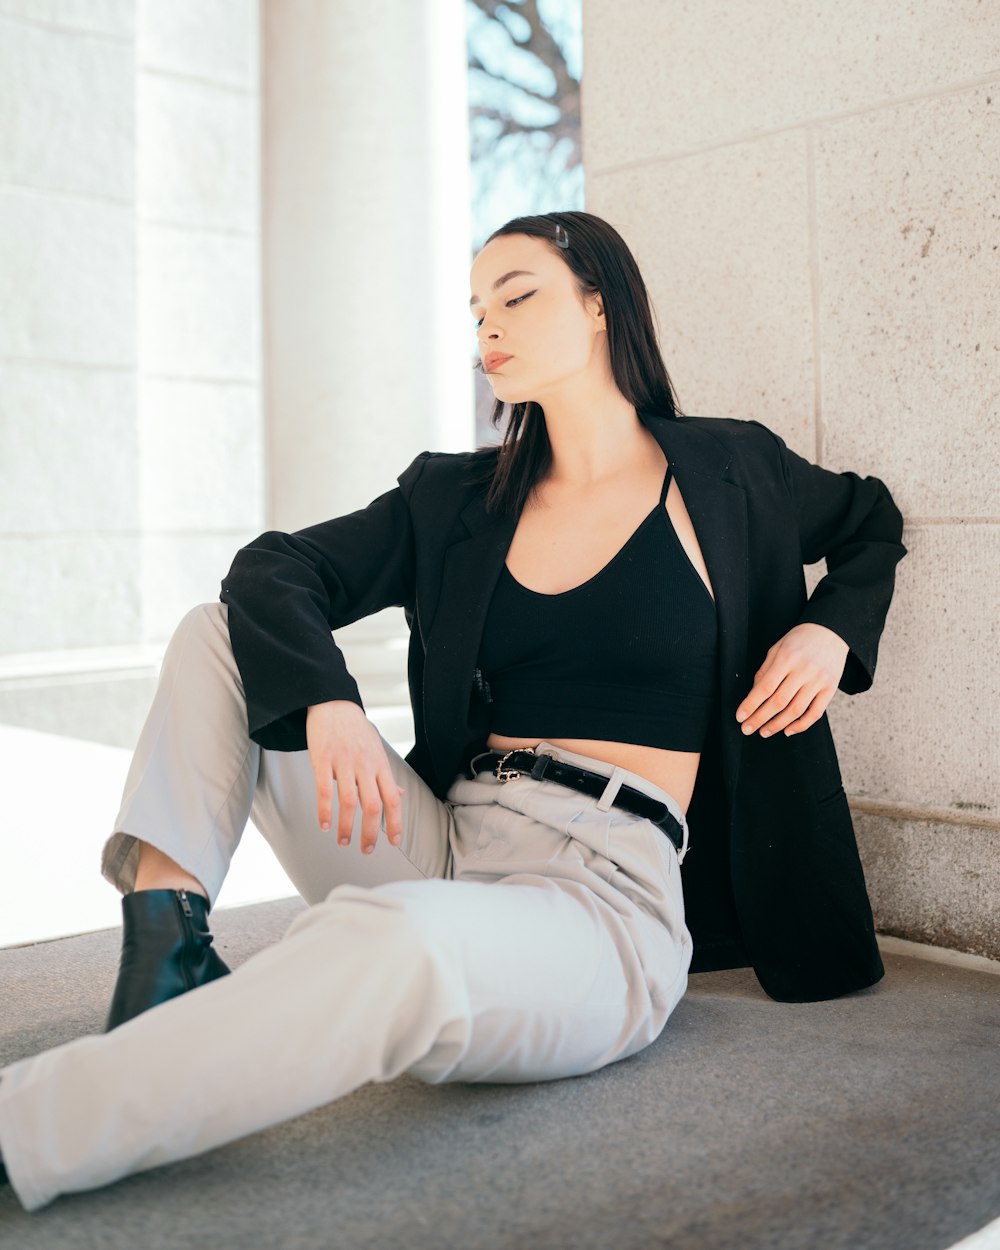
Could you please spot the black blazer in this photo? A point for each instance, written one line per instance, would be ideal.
(772, 878)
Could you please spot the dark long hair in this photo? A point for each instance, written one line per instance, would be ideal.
(602, 262)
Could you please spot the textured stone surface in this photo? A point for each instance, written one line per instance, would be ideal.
(81, 91)
(680, 74)
(218, 41)
(933, 882)
(201, 434)
(67, 449)
(722, 241)
(813, 195)
(198, 162)
(63, 590)
(180, 570)
(67, 268)
(202, 456)
(69, 551)
(928, 727)
(113, 18)
(199, 304)
(908, 225)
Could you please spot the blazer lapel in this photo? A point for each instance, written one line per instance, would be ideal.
(471, 568)
(717, 508)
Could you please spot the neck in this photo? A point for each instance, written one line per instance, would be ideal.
(596, 443)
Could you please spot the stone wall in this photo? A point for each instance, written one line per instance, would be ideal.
(234, 247)
(813, 193)
(131, 438)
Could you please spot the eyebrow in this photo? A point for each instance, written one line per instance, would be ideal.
(514, 273)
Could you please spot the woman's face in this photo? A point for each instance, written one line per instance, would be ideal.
(534, 317)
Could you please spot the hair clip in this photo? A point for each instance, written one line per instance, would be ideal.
(562, 238)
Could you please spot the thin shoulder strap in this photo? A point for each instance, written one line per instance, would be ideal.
(666, 487)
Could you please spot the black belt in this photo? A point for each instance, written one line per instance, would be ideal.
(511, 764)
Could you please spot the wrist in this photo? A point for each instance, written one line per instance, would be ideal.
(333, 703)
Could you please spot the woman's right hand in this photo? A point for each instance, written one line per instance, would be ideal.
(346, 748)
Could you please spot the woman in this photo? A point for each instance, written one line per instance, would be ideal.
(585, 604)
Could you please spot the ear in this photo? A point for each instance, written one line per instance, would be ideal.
(597, 308)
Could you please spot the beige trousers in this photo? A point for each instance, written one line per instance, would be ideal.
(521, 932)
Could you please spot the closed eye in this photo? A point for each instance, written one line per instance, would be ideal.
(508, 305)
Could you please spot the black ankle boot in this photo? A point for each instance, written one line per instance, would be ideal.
(166, 951)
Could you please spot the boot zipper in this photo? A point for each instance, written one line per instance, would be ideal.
(185, 904)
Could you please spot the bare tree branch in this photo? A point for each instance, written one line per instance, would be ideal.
(545, 157)
(542, 44)
(552, 101)
(563, 128)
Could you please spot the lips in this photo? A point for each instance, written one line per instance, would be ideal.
(494, 359)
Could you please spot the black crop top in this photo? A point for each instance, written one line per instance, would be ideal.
(627, 656)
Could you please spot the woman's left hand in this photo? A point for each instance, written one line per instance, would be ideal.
(796, 682)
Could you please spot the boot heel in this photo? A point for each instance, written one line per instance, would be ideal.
(166, 951)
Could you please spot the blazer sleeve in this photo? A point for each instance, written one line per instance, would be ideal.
(853, 523)
(287, 592)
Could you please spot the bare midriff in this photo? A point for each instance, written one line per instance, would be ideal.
(673, 771)
(566, 537)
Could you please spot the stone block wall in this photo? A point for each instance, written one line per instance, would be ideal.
(813, 194)
(131, 438)
(70, 551)
(201, 435)
(195, 197)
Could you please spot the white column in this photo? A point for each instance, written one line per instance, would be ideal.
(201, 473)
(367, 238)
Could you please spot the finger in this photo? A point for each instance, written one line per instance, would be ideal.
(347, 801)
(772, 706)
(753, 701)
(811, 715)
(767, 681)
(393, 807)
(371, 809)
(801, 705)
(324, 795)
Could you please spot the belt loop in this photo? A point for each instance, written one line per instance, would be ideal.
(541, 764)
(684, 845)
(611, 789)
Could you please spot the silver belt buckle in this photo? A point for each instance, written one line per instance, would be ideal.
(510, 773)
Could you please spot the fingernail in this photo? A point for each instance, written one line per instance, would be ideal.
(396, 839)
(325, 824)
(747, 729)
(765, 733)
(369, 849)
(345, 841)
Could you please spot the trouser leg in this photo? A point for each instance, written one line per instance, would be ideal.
(520, 980)
(196, 777)
(350, 994)
(284, 811)
(546, 972)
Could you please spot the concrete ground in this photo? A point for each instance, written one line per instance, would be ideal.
(870, 1122)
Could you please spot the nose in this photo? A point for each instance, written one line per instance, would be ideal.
(483, 333)
(490, 343)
